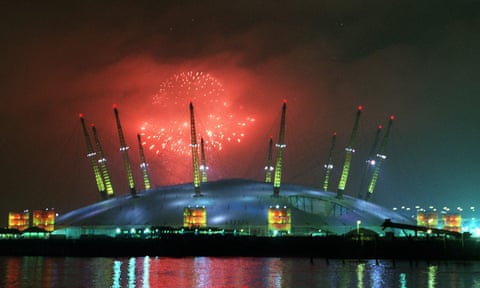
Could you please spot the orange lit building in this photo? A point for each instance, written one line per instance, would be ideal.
(427, 219)
(279, 220)
(44, 219)
(452, 222)
(195, 217)
(19, 221)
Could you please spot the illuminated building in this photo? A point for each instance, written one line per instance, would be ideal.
(92, 155)
(277, 180)
(124, 151)
(232, 204)
(194, 217)
(19, 220)
(452, 222)
(194, 145)
(10, 233)
(427, 219)
(35, 233)
(44, 219)
(143, 164)
(348, 156)
(329, 166)
(380, 158)
(279, 220)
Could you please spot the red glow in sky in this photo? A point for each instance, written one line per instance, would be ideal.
(166, 131)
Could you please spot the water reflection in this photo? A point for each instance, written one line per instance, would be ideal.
(198, 272)
(432, 276)
(117, 272)
(273, 273)
(131, 272)
(403, 280)
(232, 272)
(360, 271)
(376, 274)
(146, 270)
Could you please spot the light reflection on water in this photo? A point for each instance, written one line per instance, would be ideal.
(232, 272)
(432, 275)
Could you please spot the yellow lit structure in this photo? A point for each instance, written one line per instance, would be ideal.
(44, 219)
(427, 219)
(348, 156)
(279, 220)
(19, 221)
(452, 222)
(277, 177)
(194, 217)
(194, 145)
(124, 151)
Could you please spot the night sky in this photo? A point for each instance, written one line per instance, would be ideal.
(417, 60)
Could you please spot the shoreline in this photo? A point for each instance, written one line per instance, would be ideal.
(329, 247)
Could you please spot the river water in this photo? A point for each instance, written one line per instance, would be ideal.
(232, 272)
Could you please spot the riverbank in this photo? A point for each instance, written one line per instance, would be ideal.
(332, 247)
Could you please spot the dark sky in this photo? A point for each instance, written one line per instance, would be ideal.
(417, 60)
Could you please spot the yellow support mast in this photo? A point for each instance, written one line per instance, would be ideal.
(124, 150)
(194, 145)
(92, 156)
(102, 162)
(348, 157)
(277, 180)
(329, 166)
(380, 158)
(143, 164)
(269, 167)
(370, 161)
(203, 167)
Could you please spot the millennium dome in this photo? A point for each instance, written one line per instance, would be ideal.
(232, 205)
(226, 206)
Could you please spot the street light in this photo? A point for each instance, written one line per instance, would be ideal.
(358, 227)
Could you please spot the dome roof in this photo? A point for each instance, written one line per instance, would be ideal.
(233, 204)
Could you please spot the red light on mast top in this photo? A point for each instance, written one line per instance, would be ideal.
(80, 115)
(392, 117)
(360, 108)
(114, 106)
(380, 126)
(334, 133)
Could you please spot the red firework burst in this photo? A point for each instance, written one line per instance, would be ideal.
(217, 121)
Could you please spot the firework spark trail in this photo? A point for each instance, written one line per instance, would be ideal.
(167, 131)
